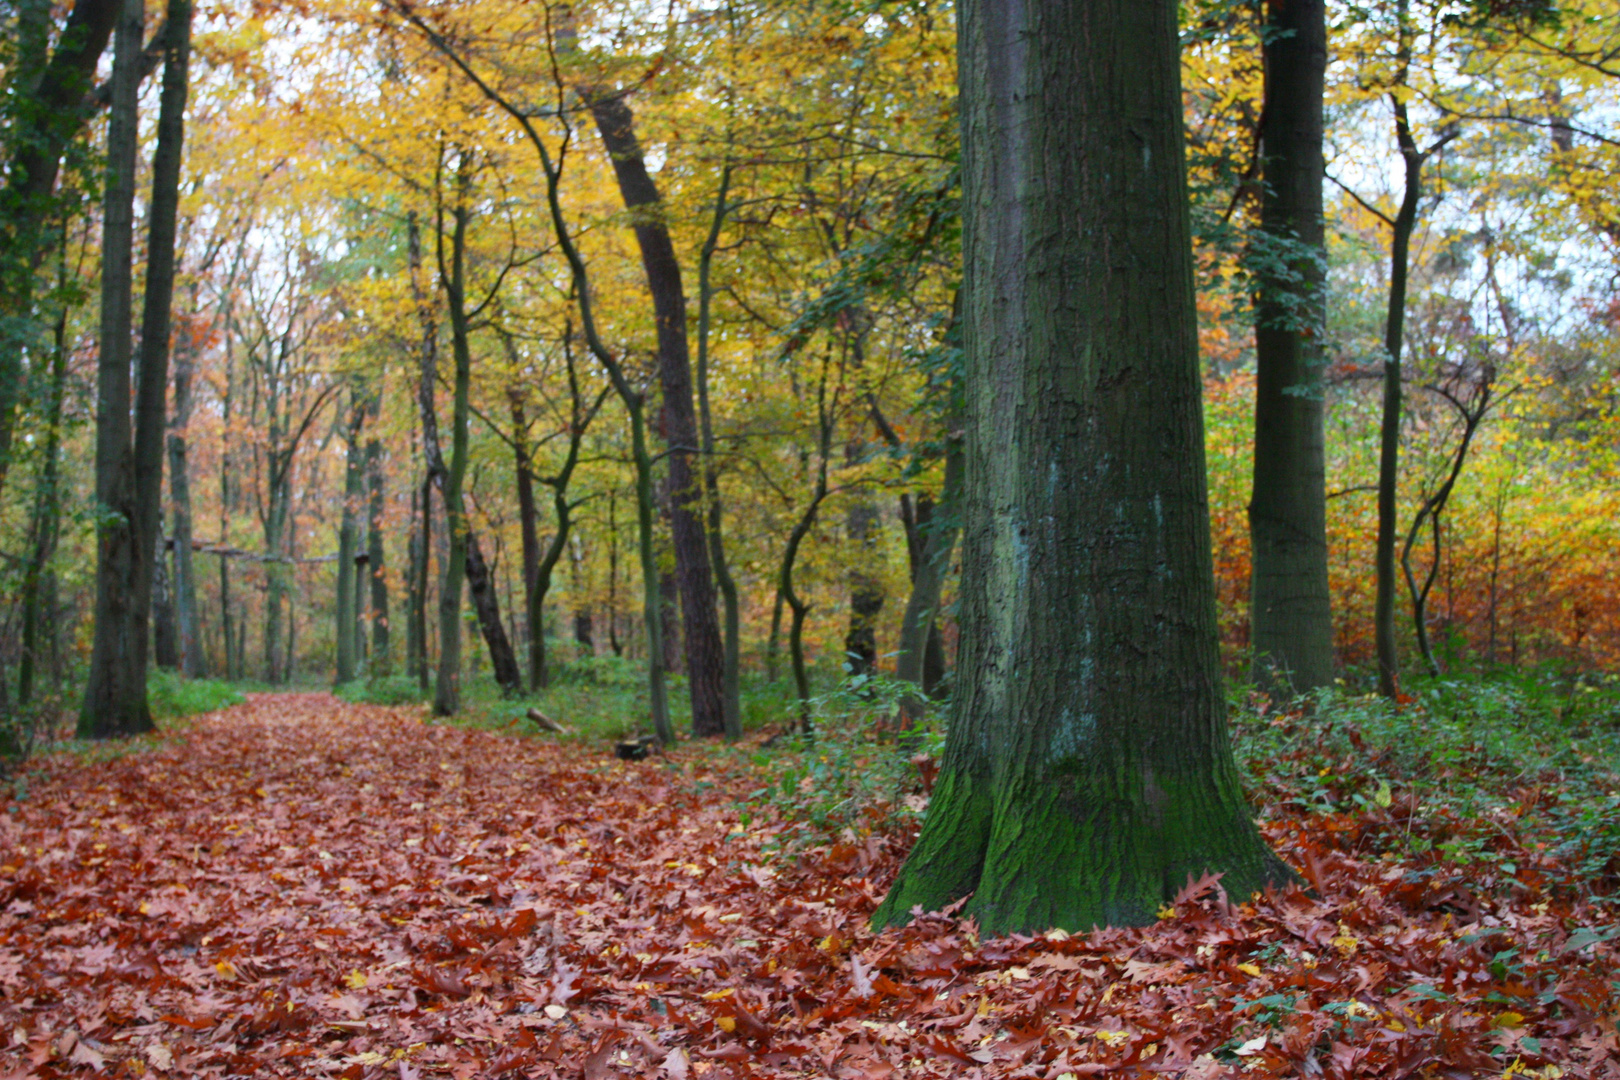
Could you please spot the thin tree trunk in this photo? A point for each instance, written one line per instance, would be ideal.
(481, 589)
(669, 610)
(1389, 435)
(192, 663)
(1088, 770)
(376, 567)
(348, 621)
(421, 545)
(917, 626)
(529, 528)
(165, 634)
(1290, 615)
(731, 682)
(451, 476)
(826, 413)
(705, 655)
(47, 524)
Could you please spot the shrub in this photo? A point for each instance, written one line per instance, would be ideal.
(171, 695)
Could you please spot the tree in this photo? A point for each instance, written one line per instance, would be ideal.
(348, 621)
(129, 472)
(705, 656)
(45, 110)
(1291, 623)
(1087, 772)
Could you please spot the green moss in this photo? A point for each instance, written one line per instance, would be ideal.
(946, 863)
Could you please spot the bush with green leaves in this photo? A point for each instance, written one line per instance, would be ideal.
(382, 690)
(171, 695)
(854, 773)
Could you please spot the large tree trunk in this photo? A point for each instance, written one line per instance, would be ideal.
(46, 113)
(348, 620)
(1290, 616)
(1088, 771)
(129, 473)
(705, 656)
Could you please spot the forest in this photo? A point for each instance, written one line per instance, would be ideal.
(810, 538)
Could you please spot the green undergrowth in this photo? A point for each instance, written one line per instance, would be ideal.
(851, 776)
(172, 696)
(1513, 777)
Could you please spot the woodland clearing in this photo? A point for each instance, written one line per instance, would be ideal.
(299, 886)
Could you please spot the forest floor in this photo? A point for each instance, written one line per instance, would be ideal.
(299, 886)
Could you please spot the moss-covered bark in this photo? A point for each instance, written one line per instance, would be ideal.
(1088, 769)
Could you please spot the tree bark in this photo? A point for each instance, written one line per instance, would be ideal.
(115, 693)
(165, 635)
(421, 556)
(192, 663)
(529, 529)
(376, 568)
(449, 478)
(1291, 621)
(348, 621)
(917, 627)
(1389, 432)
(1088, 771)
(481, 589)
(705, 655)
(731, 678)
(47, 523)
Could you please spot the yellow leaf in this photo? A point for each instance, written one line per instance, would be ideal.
(728, 1024)
(716, 995)
(225, 968)
(355, 980)
(1251, 970)
(1508, 1019)
(1382, 796)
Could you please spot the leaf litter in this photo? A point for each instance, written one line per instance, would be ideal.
(298, 887)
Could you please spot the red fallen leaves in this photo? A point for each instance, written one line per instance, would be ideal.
(304, 888)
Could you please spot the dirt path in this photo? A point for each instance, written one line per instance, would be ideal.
(300, 887)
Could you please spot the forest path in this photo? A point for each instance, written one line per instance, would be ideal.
(297, 886)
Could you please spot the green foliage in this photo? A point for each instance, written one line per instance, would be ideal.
(22, 726)
(383, 690)
(171, 695)
(851, 777)
(1507, 774)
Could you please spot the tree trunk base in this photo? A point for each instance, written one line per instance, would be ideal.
(1045, 851)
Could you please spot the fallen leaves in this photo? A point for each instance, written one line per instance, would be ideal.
(306, 888)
